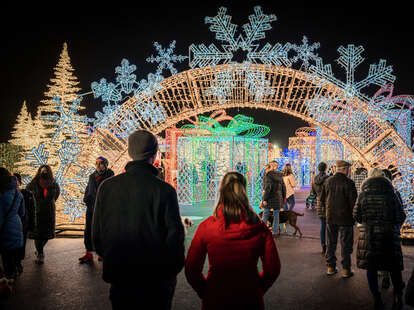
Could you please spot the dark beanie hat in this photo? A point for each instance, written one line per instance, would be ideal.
(142, 145)
(322, 166)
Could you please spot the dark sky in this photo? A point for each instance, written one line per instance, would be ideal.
(98, 40)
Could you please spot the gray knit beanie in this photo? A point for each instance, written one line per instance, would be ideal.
(142, 145)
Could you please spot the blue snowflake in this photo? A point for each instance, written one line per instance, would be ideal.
(350, 59)
(38, 156)
(151, 111)
(66, 119)
(73, 207)
(257, 85)
(67, 154)
(126, 84)
(221, 86)
(166, 58)
(305, 52)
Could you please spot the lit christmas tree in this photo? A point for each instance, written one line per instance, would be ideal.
(63, 85)
(10, 154)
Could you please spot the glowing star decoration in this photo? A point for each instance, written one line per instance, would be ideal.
(305, 52)
(257, 85)
(72, 207)
(66, 121)
(350, 59)
(37, 156)
(166, 58)
(151, 112)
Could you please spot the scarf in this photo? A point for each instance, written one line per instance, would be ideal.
(44, 184)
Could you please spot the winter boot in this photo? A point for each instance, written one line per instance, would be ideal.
(331, 271)
(347, 273)
(87, 258)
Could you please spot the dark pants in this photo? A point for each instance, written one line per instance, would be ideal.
(290, 203)
(323, 231)
(143, 295)
(87, 235)
(40, 244)
(347, 242)
(21, 253)
(396, 278)
(9, 258)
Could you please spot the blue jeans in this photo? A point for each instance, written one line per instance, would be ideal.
(323, 231)
(291, 202)
(275, 226)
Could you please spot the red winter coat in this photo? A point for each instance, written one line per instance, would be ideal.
(233, 280)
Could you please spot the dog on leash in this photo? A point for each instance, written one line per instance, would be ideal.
(187, 222)
(285, 216)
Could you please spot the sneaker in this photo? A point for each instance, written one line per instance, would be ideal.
(87, 258)
(100, 258)
(347, 273)
(40, 258)
(331, 271)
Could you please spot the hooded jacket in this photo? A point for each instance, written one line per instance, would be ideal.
(274, 190)
(137, 227)
(12, 230)
(380, 212)
(233, 280)
(317, 189)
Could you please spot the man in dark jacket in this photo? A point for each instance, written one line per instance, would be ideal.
(317, 189)
(273, 195)
(101, 173)
(337, 201)
(137, 230)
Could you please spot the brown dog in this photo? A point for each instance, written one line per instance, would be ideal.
(289, 217)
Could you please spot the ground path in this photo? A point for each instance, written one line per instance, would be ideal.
(61, 283)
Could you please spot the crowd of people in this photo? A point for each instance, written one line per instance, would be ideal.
(133, 220)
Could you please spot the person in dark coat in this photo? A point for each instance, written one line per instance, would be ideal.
(234, 239)
(46, 192)
(274, 195)
(137, 230)
(381, 214)
(317, 184)
(101, 173)
(338, 198)
(11, 232)
(27, 219)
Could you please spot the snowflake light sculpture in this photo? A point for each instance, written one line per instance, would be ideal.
(350, 59)
(37, 156)
(257, 85)
(152, 111)
(73, 207)
(166, 58)
(305, 52)
(201, 56)
(66, 120)
(222, 85)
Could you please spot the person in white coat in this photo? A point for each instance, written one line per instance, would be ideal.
(290, 183)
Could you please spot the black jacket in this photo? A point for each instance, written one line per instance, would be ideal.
(337, 200)
(380, 212)
(317, 189)
(92, 188)
(29, 209)
(137, 227)
(274, 190)
(44, 215)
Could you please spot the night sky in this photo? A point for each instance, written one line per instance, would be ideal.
(99, 40)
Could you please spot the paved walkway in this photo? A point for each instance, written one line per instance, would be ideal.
(61, 283)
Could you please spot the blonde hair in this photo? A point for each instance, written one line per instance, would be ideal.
(375, 172)
(234, 201)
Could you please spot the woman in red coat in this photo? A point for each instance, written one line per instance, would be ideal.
(234, 239)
